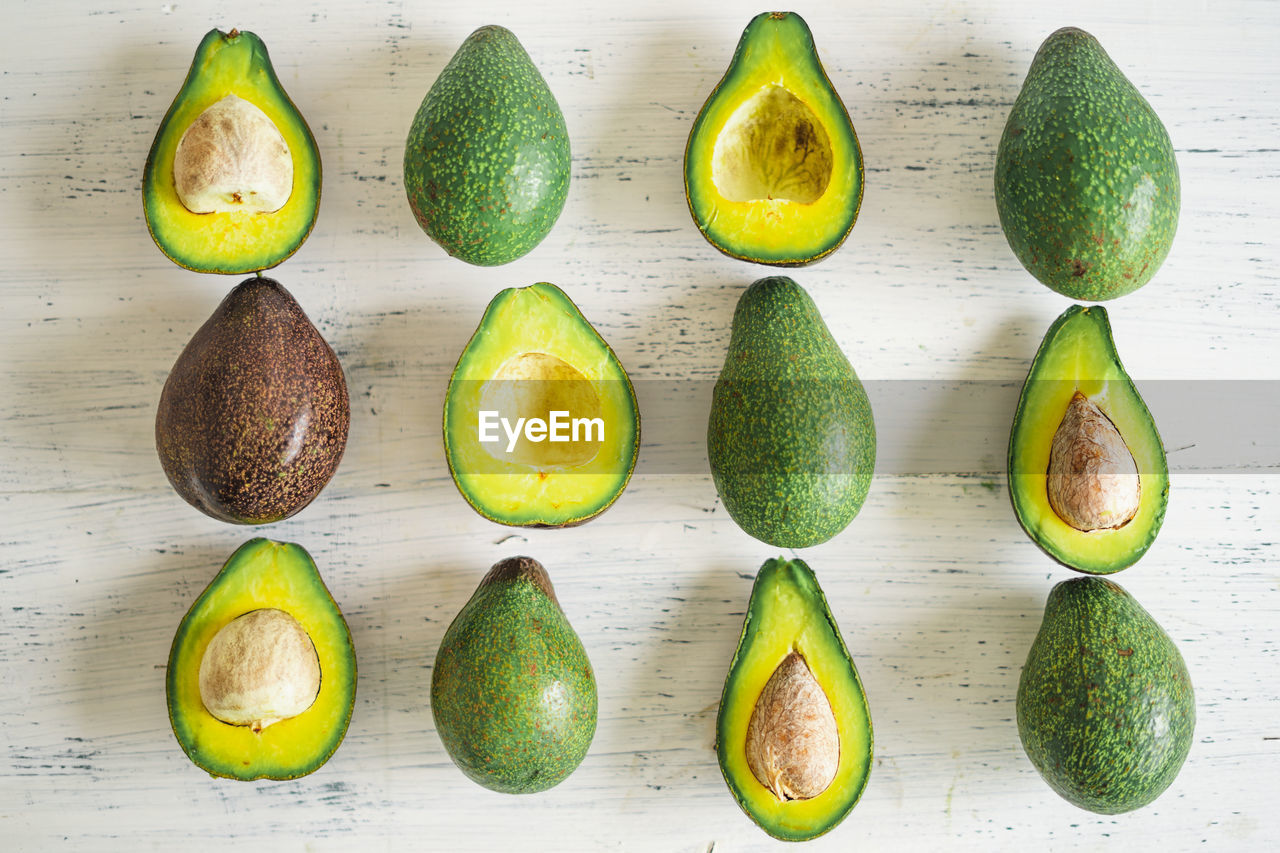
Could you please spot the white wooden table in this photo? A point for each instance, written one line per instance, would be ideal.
(937, 590)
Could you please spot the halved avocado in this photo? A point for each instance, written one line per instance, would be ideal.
(232, 74)
(773, 169)
(789, 629)
(1077, 369)
(534, 355)
(263, 575)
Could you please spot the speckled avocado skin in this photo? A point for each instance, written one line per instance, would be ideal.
(486, 165)
(1086, 182)
(1106, 710)
(512, 691)
(253, 419)
(791, 439)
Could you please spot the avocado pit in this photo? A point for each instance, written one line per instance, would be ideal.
(793, 743)
(1093, 481)
(233, 158)
(533, 385)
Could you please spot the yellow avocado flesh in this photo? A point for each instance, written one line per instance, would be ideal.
(773, 169)
(535, 348)
(230, 242)
(263, 574)
(787, 613)
(1078, 353)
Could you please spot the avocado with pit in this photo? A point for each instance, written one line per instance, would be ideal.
(1106, 711)
(554, 407)
(486, 164)
(512, 691)
(261, 680)
(793, 733)
(232, 182)
(1088, 476)
(1087, 185)
(773, 169)
(791, 439)
(253, 418)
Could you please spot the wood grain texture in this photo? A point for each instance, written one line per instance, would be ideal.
(936, 589)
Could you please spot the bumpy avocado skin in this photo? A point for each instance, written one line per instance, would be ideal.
(1086, 181)
(791, 439)
(253, 419)
(512, 691)
(1106, 710)
(486, 165)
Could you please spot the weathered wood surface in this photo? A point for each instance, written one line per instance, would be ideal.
(936, 589)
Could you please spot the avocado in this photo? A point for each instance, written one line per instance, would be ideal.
(793, 733)
(232, 182)
(261, 679)
(773, 169)
(1087, 470)
(791, 439)
(533, 359)
(1086, 181)
(253, 418)
(486, 165)
(512, 691)
(1105, 706)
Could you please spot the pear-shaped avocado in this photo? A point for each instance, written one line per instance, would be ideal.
(512, 691)
(253, 418)
(1105, 706)
(793, 733)
(261, 679)
(1087, 471)
(486, 165)
(541, 426)
(773, 169)
(791, 439)
(232, 183)
(1086, 182)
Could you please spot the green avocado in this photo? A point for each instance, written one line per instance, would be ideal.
(793, 733)
(1086, 182)
(253, 418)
(773, 169)
(232, 182)
(486, 165)
(261, 679)
(791, 439)
(512, 691)
(1087, 470)
(1105, 706)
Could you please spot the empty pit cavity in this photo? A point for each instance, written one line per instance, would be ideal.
(772, 147)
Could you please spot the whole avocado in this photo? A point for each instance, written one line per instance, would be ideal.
(486, 164)
(1086, 182)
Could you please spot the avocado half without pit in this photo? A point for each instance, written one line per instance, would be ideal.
(793, 733)
(1087, 470)
(773, 169)
(541, 426)
(232, 182)
(262, 673)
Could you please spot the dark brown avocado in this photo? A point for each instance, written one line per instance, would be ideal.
(253, 418)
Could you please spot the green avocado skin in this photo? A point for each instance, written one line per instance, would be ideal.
(512, 690)
(791, 439)
(486, 165)
(1086, 181)
(1106, 710)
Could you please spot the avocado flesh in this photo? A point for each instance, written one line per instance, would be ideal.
(773, 169)
(486, 162)
(513, 694)
(788, 614)
(534, 353)
(1078, 355)
(791, 439)
(1106, 711)
(230, 242)
(1086, 181)
(262, 574)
